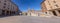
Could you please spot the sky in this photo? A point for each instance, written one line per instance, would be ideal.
(25, 4)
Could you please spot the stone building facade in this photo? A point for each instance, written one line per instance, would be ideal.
(51, 7)
(32, 12)
(7, 7)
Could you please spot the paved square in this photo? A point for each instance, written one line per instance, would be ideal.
(28, 19)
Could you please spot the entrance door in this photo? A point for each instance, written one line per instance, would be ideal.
(54, 13)
(7, 12)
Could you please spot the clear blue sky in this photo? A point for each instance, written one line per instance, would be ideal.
(25, 4)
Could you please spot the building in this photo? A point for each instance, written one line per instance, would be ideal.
(24, 13)
(44, 9)
(7, 7)
(51, 7)
(32, 12)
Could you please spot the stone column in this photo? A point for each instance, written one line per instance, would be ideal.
(57, 12)
(9, 12)
(5, 13)
(48, 12)
(51, 13)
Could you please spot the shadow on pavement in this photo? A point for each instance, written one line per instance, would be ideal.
(2, 16)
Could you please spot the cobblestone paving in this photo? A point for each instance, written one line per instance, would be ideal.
(28, 19)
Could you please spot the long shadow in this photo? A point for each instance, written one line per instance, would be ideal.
(2, 16)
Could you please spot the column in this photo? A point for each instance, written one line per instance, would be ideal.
(5, 13)
(48, 12)
(51, 13)
(57, 12)
(9, 12)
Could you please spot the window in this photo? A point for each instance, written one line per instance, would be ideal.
(0, 1)
(56, 5)
(4, 3)
(8, 8)
(48, 2)
(46, 12)
(54, 1)
(4, 7)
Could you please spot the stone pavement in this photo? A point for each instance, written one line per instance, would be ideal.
(28, 19)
